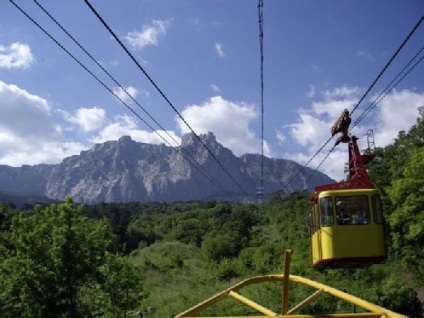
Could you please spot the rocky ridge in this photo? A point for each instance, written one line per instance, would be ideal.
(126, 170)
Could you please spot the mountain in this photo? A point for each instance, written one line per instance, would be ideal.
(125, 170)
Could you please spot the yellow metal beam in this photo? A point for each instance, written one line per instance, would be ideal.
(349, 315)
(278, 316)
(347, 297)
(217, 297)
(203, 305)
(375, 310)
(286, 280)
(305, 302)
(345, 315)
(252, 304)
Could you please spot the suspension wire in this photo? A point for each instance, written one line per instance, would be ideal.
(389, 62)
(362, 98)
(130, 96)
(388, 89)
(375, 103)
(261, 44)
(110, 90)
(309, 161)
(103, 69)
(161, 92)
(320, 164)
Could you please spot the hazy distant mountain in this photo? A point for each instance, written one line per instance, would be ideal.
(125, 170)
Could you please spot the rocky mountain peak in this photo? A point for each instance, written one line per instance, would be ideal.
(125, 170)
(190, 139)
(209, 138)
(125, 140)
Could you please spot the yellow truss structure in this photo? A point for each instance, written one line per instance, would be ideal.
(374, 311)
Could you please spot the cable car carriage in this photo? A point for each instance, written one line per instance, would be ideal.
(346, 222)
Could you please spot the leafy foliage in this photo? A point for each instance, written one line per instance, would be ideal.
(407, 220)
(399, 174)
(56, 259)
(63, 260)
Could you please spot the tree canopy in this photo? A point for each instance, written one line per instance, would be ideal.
(60, 264)
(158, 259)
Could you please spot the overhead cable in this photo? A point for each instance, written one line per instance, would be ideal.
(261, 48)
(203, 171)
(365, 94)
(375, 103)
(161, 93)
(390, 86)
(108, 89)
(389, 62)
(103, 69)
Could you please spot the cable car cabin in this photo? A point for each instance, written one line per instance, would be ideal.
(346, 219)
(347, 229)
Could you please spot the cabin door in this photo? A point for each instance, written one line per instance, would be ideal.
(316, 249)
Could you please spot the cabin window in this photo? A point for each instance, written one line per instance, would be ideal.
(312, 221)
(378, 210)
(326, 209)
(352, 210)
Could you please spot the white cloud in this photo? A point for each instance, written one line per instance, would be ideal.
(127, 126)
(132, 91)
(309, 130)
(219, 48)
(365, 55)
(332, 108)
(88, 119)
(333, 166)
(398, 111)
(280, 136)
(148, 36)
(16, 55)
(228, 121)
(312, 91)
(31, 134)
(215, 88)
(200, 24)
(28, 132)
(24, 114)
(347, 92)
(314, 124)
(335, 101)
(46, 152)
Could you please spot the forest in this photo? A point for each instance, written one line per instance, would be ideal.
(150, 259)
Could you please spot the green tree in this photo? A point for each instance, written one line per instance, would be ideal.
(407, 220)
(217, 247)
(57, 255)
(385, 168)
(118, 290)
(141, 230)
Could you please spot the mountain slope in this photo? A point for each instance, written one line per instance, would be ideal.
(125, 170)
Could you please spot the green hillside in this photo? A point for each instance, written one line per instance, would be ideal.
(158, 259)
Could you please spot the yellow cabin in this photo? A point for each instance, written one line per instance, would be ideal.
(346, 229)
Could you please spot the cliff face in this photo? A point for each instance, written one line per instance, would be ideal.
(125, 170)
(25, 180)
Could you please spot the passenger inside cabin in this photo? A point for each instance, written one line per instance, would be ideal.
(360, 217)
(343, 217)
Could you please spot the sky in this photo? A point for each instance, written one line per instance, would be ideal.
(319, 57)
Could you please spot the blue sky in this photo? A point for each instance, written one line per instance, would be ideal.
(319, 58)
